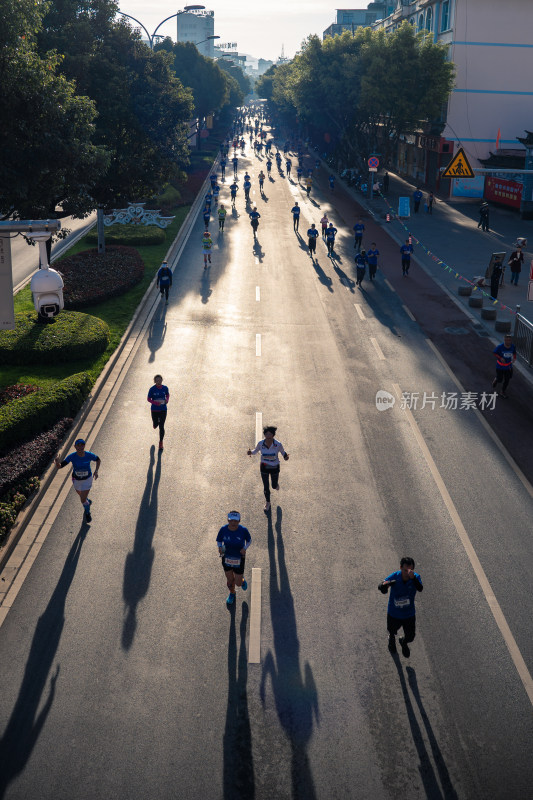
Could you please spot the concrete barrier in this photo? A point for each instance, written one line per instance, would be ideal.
(465, 291)
(488, 313)
(476, 301)
(503, 326)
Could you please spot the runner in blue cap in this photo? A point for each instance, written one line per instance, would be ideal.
(233, 540)
(82, 475)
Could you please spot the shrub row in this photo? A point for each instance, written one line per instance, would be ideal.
(13, 501)
(69, 337)
(31, 415)
(129, 235)
(91, 278)
(16, 391)
(32, 458)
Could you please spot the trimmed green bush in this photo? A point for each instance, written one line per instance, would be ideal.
(69, 337)
(129, 234)
(22, 419)
(13, 501)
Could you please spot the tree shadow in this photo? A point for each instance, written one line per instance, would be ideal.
(138, 564)
(343, 277)
(25, 724)
(295, 694)
(157, 330)
(239, 781)
(433, 791)
(322, 277)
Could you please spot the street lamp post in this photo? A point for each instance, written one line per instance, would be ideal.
(152, 37)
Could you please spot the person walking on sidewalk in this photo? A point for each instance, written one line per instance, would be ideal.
(164, 280)
(295, 211)
(82, 476)
(404, 584)
(386, 180)
(312, 236)
(372, 258)
(360, 266)
(158, 397)
(495, 278)
(505, 357)
(233, 540)
(429, 202)
(358, 230)
(484, 216)
(417, 197)
(516, 259)
(406, 250)
(270, 449)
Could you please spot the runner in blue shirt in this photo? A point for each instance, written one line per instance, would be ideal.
(312, 236)
(269, 166)
(216, 192)
(254, 220)
(233, 540)
(208, 198)
(158, 397)
(406, 250)
(404, 584)
(235, 162)
(164, 280)
(331, 180)
(233, 191)
(82, 476)
(505, 357)
(331, 232)
(247, 186)
(288, 165)
(359, 229)
(299, 171)
(295, 211)
(207, 216)
(372, 257)
(360, 266)
(223, 163)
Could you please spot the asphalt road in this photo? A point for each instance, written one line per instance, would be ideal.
(124, 673)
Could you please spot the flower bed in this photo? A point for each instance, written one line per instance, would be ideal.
(91, 278)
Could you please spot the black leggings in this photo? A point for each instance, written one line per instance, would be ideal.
(164, 290)
(158, 419)
(265, 475)
(408, 624)
(504, 375)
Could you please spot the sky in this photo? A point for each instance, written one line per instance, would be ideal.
(259, 29)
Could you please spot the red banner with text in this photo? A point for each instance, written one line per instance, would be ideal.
(499, 190)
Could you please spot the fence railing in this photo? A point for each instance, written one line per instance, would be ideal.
(523, 338)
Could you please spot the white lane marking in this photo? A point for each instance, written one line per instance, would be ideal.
(409, 313)
(391, 287)
(254, 648)
(258, 426)
(501, 447)
(486, 588)
(258, 344)
(378, 349)
(359, 311)
(256, 260)
(257, 293)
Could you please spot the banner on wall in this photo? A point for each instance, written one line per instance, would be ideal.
(473, 187)
(500, 190)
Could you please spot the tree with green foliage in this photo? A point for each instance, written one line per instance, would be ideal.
(265, 83)
(235, 72)
(47, 133)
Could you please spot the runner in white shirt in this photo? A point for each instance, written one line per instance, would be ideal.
(270, 449)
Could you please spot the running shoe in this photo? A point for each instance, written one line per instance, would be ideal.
(88, 517)
(405, 647)
(230, 599)
(244, 585)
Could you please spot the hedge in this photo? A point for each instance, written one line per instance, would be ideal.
(129, 235)
(13, 502)
(31, 459)
(25, 418)
(69, 337)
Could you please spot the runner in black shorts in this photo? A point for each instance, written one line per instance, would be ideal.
(233, 540)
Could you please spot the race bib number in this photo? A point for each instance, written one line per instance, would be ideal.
(402, 602)
(81, 474)
(232, 562)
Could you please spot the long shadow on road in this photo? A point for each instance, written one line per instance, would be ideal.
(25, 724)
(239, 781)
(138, 565)
(295, 694)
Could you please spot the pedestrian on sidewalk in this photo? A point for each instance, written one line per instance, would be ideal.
(505, 357)
(386, 183)
(372, 258)
(417, 197)
(295, 211)
(406, 250)
(484, 216)
(158, 397)
(82, 476)
(429, 202)
(233, 540)
(360, 266)
(495, 278)
(404, 584)
(164, 280)
(359, 229)
(270, 449)
(516, 259)
(312, 236)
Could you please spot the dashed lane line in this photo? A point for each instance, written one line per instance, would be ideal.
(258, 344)
(377, 348)
(257, 294)
(389, 284)
(409, 313)
(359, 310)
(254, 648)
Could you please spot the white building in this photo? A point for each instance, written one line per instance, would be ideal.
(196, 26)
(490, 43)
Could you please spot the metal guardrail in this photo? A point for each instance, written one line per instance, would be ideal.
(523, 337)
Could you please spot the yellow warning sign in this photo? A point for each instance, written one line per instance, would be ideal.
(459, 167)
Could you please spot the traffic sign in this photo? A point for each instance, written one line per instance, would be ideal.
(373, 163)
(459, 167)
(372, 169)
